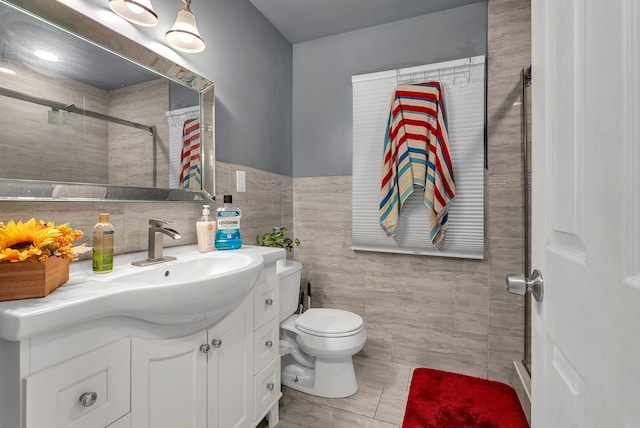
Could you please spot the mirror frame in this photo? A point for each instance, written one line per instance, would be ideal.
(70, 20)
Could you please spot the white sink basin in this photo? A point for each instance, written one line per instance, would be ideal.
(196, 286)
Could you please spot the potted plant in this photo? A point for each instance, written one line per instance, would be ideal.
(277, 239)
(34, 257)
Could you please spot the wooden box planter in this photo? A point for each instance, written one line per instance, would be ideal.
(26, 280)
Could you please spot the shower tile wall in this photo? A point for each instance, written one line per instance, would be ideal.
(451, 314)
(131, 150)
(29, 128)
(509, 47)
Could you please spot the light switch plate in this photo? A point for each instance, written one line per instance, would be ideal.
(241, 181)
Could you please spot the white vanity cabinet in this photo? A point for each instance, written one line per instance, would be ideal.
(206, 376)
(123, 372)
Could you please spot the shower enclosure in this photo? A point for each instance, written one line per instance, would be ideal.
(525, 81)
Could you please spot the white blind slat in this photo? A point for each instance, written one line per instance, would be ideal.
(466, 121)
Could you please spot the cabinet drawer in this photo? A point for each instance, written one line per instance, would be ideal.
(267, 388)
(266, 344)
(54, 396)
(267, 301)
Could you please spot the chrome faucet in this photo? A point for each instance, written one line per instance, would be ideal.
(156, 230)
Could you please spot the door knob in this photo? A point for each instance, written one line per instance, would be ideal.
(516, 283)
(216, 343)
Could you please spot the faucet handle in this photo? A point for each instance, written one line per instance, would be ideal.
(157, 223)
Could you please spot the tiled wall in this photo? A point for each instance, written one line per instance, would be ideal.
(84, 150)
(131, 150)
(267, 203)
(30, 128)
(451, 314)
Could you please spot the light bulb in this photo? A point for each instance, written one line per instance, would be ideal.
(137, 11)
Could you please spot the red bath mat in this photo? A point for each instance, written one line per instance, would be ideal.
(440, 399)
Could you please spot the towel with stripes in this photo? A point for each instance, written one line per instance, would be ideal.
(416, 152)
(190, 173)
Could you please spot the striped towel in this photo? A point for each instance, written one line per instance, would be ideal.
(416, 152)
(190, 174)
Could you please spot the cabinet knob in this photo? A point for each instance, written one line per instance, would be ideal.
(216, 343)
(268, 302)
(205, 347)
(270, 386)
(268, 343)
(88, 399)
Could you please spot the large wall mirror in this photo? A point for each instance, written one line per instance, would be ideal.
(108, 120)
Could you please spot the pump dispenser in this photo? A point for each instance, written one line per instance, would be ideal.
(205, 231)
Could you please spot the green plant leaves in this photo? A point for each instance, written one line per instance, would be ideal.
(277, 239)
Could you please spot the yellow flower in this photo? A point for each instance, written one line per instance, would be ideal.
(36, 241)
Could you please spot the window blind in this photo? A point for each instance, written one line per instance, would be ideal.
(464, 95)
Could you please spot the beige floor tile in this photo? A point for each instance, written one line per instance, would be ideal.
(303, 414)
(382, 373)
(364, 402)
(392, 405)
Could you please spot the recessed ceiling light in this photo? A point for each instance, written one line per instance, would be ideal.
(7, 71)
(47, 56)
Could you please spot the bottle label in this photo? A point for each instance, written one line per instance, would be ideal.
(228, 230)
(103, 252)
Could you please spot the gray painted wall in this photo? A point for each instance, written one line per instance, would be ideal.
(250, 63)
(322, 70)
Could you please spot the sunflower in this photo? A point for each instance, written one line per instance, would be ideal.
(27, 241)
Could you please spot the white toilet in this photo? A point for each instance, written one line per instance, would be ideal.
(317, 346)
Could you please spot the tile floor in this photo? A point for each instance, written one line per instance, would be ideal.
(379, 403)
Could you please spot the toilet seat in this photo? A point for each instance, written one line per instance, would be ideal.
(323, 322)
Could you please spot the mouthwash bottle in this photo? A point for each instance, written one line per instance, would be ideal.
(228, 226)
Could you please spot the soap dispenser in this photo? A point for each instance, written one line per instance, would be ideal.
(206, 231)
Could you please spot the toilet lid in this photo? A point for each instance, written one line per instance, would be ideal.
(327, 322)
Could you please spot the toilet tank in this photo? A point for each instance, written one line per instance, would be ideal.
(289, 274)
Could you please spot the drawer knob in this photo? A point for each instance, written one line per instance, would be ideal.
(268, 302)
(270, 386)
(268, 343)
(205, 347)
(88, 399)
(216, 343)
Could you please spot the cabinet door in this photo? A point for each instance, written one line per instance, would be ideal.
(230, 374)
(168, 382)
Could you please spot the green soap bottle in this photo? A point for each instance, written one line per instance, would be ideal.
(103, 245)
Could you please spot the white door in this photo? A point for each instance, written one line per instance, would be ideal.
(586, 213)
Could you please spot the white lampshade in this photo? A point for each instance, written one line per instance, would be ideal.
(137, 11)
(184, 34)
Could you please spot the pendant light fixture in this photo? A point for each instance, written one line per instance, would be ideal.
(137, 11)
(184, 35)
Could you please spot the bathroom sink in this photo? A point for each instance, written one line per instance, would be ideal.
(189, 288)
(195, 286)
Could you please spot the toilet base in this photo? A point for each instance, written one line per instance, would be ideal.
(330, 378)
